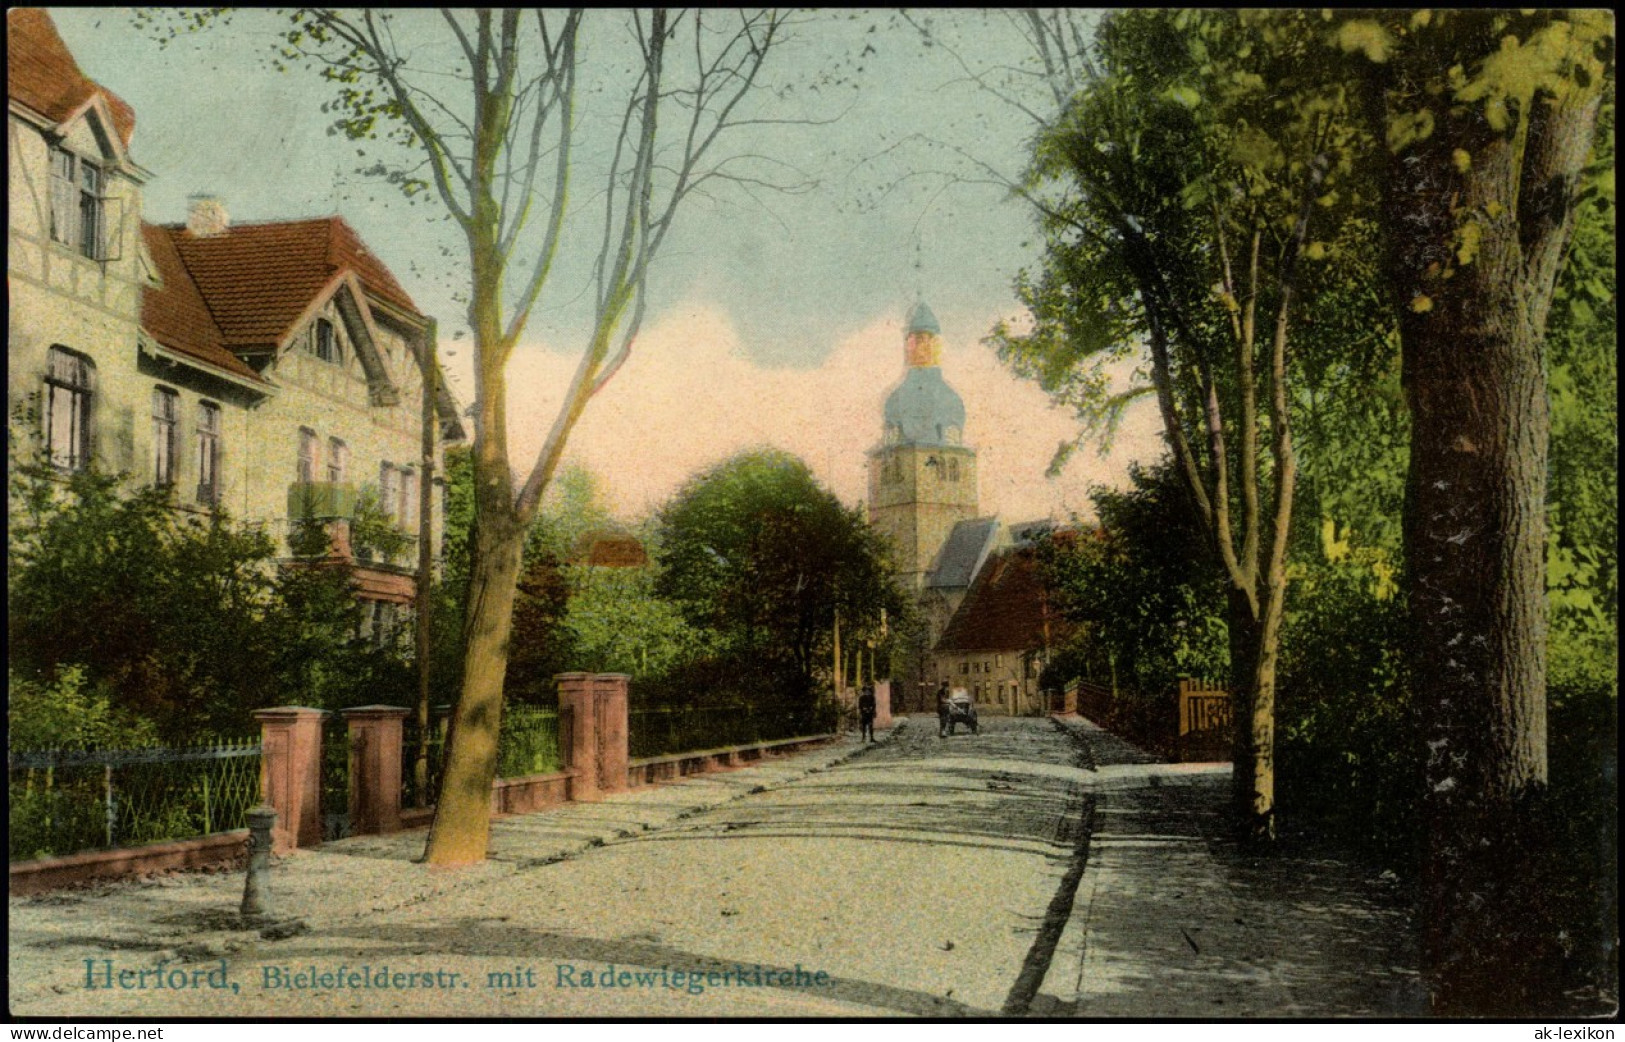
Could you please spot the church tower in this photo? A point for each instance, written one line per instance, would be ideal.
(922, 477)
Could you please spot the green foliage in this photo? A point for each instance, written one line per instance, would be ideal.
(69, 712)
(180, 620)
(618, 623)
(757, 552)
(374, 531)
(1143, 588)
(1582, 547)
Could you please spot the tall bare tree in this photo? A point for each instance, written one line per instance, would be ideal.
(490, 104)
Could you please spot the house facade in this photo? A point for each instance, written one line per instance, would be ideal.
(273, 371)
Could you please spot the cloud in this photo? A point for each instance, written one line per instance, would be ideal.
(691, 396)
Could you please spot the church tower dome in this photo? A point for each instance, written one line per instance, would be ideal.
(922, 476)
(923, 409)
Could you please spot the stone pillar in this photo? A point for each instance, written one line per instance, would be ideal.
(291, 774)
(611, 691)
(257, 887)
(882, 705)
(375, 768)
(578, 713)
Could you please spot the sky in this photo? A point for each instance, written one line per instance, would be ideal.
(775, 318)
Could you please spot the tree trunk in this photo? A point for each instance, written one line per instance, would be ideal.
(462, 820)
(1472, 327)
(1246, 776)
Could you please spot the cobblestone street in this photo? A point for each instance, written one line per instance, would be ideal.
(919, 877)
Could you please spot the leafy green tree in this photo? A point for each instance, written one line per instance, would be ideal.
(1488, 118)
(1198, 173)
(618, 623)
(69, 712)
(1583, 517)
(756, 551)
(1143, 588)
(184, 622)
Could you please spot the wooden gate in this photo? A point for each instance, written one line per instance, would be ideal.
(1204, 721)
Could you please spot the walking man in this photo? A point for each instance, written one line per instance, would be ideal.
(866, 714)
(942, 710)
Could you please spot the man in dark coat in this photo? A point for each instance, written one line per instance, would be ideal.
(866, 714)
(942, 710)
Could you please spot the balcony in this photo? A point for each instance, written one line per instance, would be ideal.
(321, 500)
(336, 520)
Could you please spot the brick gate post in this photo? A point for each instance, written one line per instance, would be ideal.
(612, 691)
(375, 768)
(578, 733)
(291, 774)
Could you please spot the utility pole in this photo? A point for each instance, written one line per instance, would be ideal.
(431, 366)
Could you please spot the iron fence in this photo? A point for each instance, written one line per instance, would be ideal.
(413, 794)
(666, 730)
(335, 798)
(528, 742)
(67, 801)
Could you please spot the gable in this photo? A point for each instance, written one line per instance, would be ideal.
(42, 75)
(1006, 609)
(343, 302)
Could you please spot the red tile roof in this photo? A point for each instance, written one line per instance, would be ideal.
(175, 315)
(258, 279)
(41, 73)
(611, 550)
(1004, 610)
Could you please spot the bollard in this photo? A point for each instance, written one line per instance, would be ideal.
(257, 889)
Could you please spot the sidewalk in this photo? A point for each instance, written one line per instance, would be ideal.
(189, 917)
(1171, 919)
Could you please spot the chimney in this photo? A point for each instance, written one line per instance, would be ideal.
(207, 216)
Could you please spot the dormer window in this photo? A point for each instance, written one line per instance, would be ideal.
(894, 433)
(78, 204)
(325, 342)
(952, 435)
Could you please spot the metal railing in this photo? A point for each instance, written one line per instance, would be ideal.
(67, 801)
(664, 730)
(529, 742)
(335, 792)
(413, 795)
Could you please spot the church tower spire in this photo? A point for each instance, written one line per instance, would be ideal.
(922, 477)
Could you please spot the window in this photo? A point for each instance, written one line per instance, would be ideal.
(69, 387)
(338, 460)
(307, 455)
(409, 484)
(325, 342)
(964, 667)
(78, 205)
(953, 470)
(387, 489)
(381, 622)
(166, 407)
(208, 453)
(998, 660)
